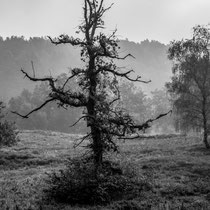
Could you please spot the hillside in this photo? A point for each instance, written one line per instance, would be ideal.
(15, 53)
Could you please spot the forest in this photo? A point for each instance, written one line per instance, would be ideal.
(48, 59)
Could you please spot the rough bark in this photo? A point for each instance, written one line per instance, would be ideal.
(205, 132)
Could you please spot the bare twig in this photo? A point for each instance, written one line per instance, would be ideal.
(83, 117)
(65, 39)
(147, 123)
(125, 75)
(82, 140)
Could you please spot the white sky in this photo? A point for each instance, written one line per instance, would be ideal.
(137, 20)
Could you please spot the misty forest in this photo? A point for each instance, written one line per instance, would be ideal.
(92, 121)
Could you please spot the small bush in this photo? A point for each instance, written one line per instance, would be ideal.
(77, 184)
(8, 134)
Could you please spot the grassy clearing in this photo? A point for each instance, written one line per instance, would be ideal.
(178, 168)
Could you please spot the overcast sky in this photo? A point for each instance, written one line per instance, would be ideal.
(137, 20)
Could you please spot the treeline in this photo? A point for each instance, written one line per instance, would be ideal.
(23, 95)
(48, 59)
(17, 53)
(55, 118)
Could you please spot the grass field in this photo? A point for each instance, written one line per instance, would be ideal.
(178, 169)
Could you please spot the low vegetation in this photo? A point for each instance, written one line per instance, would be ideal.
(77, 184)
(172, 173)
(8, 134)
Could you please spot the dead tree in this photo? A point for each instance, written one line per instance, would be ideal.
(98, 91)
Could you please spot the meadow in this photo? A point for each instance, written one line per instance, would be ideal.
(176, 167)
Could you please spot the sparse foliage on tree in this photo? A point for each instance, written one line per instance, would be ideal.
(97, 89)
(190, 83)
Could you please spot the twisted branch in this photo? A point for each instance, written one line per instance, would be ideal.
(34, 110)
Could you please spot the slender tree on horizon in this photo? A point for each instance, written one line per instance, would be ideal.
(190, 83)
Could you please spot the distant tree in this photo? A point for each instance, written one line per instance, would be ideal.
(190, 83)
(97, 89)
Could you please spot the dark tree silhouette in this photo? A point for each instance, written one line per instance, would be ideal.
(97, 91)
(191, 80)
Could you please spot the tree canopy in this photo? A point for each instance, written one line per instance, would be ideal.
(190, 83)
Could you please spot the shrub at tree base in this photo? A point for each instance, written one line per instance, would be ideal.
(77, 184)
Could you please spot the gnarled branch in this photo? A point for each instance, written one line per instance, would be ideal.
(65, 39)
(48, 79)
(147, 123)
(125, 74)
(34, 110)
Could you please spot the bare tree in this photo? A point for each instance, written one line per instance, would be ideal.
(97, 90)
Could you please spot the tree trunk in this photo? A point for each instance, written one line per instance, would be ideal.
(91, 109)
(205, 129)
(205, 139)
(97, 148)
(97, 144)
